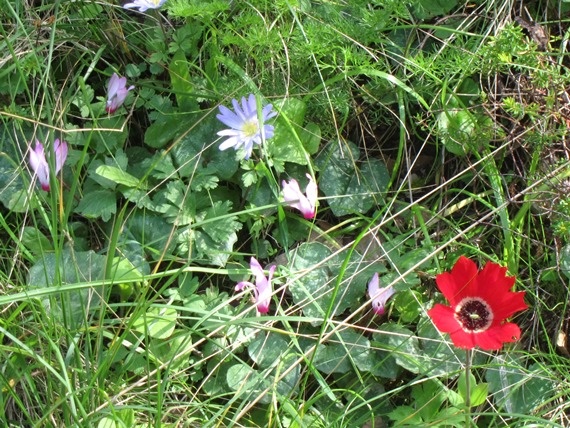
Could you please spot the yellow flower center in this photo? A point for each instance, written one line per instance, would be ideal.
(250, 128)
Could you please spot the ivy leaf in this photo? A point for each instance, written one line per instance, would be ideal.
(151, 232)
(315, 291)
(348, 349)
(266, 349)
(517, 389)
(351, 188)
(403, 346)
(245, 379)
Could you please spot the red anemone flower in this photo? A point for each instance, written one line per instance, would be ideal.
(480, 302)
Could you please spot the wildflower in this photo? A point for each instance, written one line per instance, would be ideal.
(143, 5)
(379, 295)
(480, 302)
(244, 123)
(296, 199)
(262, 288)
(40, 165)
(117, 92)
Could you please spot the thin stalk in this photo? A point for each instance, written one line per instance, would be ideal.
(468, 359)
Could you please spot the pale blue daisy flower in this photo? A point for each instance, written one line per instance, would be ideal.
(143, 5)
(244, 123)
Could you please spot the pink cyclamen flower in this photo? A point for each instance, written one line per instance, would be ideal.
(296, 199)
(40, 165)
(117, 93)
(143, 5)
(262, 288)
(379, 295)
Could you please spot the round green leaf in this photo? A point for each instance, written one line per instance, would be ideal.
(156, 322)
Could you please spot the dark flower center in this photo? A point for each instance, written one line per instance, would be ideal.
(474, 314)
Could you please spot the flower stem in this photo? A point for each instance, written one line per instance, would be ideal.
(468, 357)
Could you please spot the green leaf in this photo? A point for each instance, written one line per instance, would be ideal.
(479, 394)
(176, 204)
(462, 384)
(348, 350)
(98, 204)
(287, 144)
(455, 126)
(331, 359)
(166, 128)
(35, 241)
(409, 304)
(314, 291)
(216, 238)
(174, 351)
(151, 231)
(428, 398)
(158, 323)
(20, 201)
(244, 378)
(426, 9)
(310, 136)
(12, 192)
(267, 349)
(181, 83)
(124, 271)
(194, 154)
(565, 260)
(72, 308)
(350, 188)
(118, 176)
(445, 358)
(108, 422)
(517, 389)
(407, 415)
(108, 141)
(403, 346)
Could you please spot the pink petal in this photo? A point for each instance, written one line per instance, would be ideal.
(379, 295)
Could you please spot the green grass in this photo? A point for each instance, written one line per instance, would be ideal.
(433, 130)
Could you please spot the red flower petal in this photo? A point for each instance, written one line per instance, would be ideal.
(486, 302)
(458, 283)
(463, 340)
(495, 274)
(508, 304)
(443, 318)
(493, 338)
